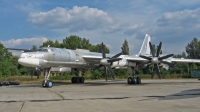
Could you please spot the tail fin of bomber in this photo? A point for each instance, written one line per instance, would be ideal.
(145, 49)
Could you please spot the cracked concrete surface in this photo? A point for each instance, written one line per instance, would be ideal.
(113, 96)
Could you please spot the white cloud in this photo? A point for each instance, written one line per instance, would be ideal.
(189, 18)
(115, 28)
(76, 19)
(176, 29)
(25, 42)
(133, 29)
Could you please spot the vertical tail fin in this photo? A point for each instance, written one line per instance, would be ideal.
(145, 50)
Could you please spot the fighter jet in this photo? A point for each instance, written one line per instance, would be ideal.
(50, 58)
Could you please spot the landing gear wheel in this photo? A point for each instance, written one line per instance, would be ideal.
(73, 79)
(134, 80)
(130, 80)
(82, 79)
(77, 79)
(138, 80)
(49, 84)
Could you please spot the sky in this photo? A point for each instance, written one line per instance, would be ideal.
(24, 23)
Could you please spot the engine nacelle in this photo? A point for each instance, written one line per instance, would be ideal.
(104, 61)
(118, 64)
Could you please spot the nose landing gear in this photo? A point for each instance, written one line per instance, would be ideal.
(46, 82)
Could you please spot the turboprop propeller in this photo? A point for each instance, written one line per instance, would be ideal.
(106, 62)
(155, 60)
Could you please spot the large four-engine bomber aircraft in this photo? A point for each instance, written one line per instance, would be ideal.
(49, 58)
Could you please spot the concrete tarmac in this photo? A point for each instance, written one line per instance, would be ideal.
(101, 96)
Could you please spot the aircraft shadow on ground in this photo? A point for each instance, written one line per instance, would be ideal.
(191, 93)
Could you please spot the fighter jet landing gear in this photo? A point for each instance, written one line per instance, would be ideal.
(134, 80)
(77, 79)
(47, 82)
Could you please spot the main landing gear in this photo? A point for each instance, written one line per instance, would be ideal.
(47, 82)
(133, 79)
(77, 79)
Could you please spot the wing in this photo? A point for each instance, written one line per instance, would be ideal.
(21, 50)
(181, 60)
(135, 59)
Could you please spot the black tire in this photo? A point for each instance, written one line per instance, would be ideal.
(77, 79)
(134, 80)
(0, 83)
(14, 83)
(138, 80)
(82, 79)
(5, 83)
(130, 80)
(73, 79)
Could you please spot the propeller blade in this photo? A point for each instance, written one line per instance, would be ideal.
(114, 59)
(142, 64)
(151, 48)
(145, 57)
(157, 70)
(103, 50)
(167, 63)
(105, 73)
(158, 49)
(166, 56)
(153, 72)
(117, 55)
(112, 73)
(97, 67)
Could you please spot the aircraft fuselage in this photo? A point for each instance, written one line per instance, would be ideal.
(58, 57)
